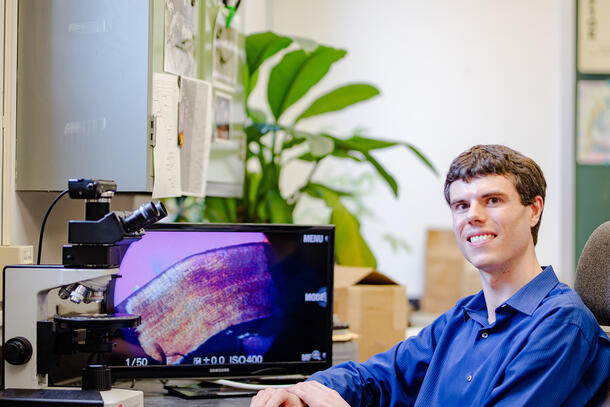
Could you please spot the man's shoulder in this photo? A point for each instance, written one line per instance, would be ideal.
(562, 296)
(564, 306)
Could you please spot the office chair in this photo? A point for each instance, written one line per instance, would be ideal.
(593, 275)
(593, 279)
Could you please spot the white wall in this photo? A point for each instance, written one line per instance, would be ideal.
(452, 74)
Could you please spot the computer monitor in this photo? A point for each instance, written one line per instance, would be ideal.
(225, 300)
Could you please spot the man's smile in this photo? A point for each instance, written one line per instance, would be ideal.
(480, 237)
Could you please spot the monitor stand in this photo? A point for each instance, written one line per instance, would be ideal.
(205, 390)
(229, 388)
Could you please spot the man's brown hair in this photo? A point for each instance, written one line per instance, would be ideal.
(494, 159)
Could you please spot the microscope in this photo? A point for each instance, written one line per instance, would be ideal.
(34, 335)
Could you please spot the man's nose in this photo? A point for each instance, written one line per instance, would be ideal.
(476, 213)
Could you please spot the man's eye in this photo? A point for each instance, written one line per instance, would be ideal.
(461, 206)
(493, 200)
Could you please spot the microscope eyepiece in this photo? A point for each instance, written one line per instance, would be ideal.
(145, 215)
(161, 208)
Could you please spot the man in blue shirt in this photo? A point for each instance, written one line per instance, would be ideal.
(525, 340)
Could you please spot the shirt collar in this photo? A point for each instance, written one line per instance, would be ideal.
(531, 295)
(476, 308)
(526, 300)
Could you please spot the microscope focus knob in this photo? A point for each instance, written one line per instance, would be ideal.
(96, 377)
(17, 350)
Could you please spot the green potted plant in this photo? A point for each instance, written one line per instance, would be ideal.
(272, 143)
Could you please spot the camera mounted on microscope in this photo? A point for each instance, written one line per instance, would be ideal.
(101, 240)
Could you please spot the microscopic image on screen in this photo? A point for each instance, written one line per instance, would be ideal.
(190, 292)
(222, 298)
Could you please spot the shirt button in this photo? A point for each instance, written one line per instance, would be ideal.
(469, 378)
(484, 335)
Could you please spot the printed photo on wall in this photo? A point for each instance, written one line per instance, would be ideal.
(593, 137)
(225, 50)
(222, 109)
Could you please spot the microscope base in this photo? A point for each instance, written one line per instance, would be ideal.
(71, 397)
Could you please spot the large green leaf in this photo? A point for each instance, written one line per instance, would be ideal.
(254, 133)
(293, 140)
(358, 148)
(421, 157)
(262, 46)
(389, 179)
(250, 81)
(259, 48)
(363, 144)
(350, 247)
(257, 115)
(280, 79)
(319, 191)
(339, 98)
(366, 144)
(296, 74)
(308, 157)
(256, 130)
(345, 153)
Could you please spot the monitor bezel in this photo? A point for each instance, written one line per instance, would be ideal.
(245, 371)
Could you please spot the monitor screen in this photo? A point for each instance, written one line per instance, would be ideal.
(224, 300)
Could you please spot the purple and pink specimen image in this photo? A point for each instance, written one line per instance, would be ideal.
(188, 287)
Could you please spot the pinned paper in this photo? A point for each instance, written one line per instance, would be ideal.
(196, 103)
(166, 155)
(594, 36)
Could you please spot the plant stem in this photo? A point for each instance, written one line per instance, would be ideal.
(273, 146)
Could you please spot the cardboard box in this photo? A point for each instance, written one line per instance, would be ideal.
(449, 276)
(374, 306)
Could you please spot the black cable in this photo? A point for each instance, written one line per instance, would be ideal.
(44, 221)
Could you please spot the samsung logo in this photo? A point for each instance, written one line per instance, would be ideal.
(310, 238)
(219, 370)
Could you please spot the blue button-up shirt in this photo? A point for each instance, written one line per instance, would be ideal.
(544, 349)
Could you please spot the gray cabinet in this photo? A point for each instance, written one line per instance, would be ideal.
(84, 82)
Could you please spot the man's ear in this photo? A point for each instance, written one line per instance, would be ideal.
(537, 206)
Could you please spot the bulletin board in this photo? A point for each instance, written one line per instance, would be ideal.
(592, 124)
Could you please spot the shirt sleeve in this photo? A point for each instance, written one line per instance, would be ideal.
(394, 375)
(557, 356)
